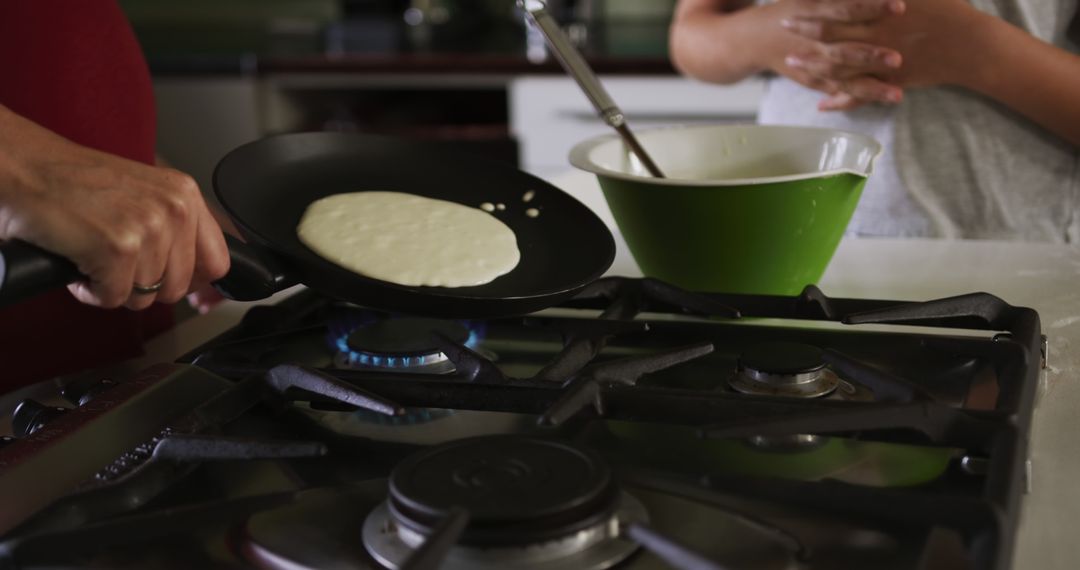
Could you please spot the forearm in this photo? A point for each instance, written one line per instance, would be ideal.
(1032, 77)
(19, 140)
(11, 128)
(725, 46)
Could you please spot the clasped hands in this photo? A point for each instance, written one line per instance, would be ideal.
(870, 51)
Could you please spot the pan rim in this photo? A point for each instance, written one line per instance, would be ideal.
(251, 234)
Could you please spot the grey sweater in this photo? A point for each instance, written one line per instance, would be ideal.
(957, 164)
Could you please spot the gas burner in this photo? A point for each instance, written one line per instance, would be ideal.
(787, 369)
(399, 344)
(533, 503)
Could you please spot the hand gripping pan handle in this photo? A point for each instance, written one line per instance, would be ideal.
(27, 270)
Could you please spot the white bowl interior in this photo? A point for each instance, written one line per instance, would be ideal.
(732, 154)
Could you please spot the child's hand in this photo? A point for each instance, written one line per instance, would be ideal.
(852, 70)
(924, 44)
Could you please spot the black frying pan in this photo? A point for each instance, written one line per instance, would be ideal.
(265, 186)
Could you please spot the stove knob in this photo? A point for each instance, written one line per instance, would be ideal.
(81, 392)
(31, 416)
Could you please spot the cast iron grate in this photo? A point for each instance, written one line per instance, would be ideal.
(575, 386)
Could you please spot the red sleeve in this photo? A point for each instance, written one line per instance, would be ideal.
(76, 69)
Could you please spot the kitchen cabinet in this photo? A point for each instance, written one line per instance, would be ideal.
(467, 109)
(201, 118)
(528, 119)
(549, 115)
(352, 67)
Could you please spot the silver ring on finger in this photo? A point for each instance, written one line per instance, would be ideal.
(146, 289)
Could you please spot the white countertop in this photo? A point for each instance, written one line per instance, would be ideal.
(1040, 276)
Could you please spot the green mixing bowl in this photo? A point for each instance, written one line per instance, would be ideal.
(743, 208)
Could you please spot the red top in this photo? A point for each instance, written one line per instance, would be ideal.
(76, 69)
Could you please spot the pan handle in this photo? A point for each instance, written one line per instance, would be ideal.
(27, 270)
(254, 274)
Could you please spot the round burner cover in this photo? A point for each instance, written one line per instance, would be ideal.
(782, 358)
(405, 336)
(517, 490)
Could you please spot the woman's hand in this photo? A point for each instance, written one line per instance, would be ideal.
(121, 222)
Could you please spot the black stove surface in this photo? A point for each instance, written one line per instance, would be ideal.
(637, 426)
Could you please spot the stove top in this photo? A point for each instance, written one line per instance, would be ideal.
(636, 426)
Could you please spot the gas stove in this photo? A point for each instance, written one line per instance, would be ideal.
(635, 426)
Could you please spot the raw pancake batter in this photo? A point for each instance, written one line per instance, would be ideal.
(408, 239)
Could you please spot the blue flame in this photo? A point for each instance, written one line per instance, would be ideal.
(340, 330)
(345, 323)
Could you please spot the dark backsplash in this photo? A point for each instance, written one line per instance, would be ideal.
(217, 30)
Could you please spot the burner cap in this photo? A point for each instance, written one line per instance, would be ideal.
(784, 369)
(783, 358)
(405, 336)
(518, 490)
